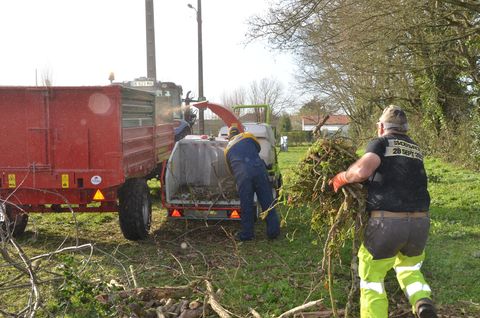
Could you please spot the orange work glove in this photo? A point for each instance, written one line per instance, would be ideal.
(338, 181)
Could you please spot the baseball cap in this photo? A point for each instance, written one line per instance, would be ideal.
(393, 117)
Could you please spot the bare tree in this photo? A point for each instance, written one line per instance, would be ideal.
(318, 108)
(47, 77)
(237, 97)
(266, 91)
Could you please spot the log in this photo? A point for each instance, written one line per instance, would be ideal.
(192, 313)
(149, 293)
(222, 313)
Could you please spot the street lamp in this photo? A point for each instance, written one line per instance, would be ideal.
(198, 10)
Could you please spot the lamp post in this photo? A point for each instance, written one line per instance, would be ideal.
(198, 10)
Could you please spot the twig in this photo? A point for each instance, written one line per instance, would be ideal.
(63, 250)
(222, 313)
(297, 309)
(254, 313)
(469, 302)
(69, 206)
(181, 267)
(35, 294)
(21, 286)
(118, 262)
(135, 285)
(354, 266)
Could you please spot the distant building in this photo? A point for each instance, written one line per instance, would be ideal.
(333, 124)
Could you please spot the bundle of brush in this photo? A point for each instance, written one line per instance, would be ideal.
(339, 215)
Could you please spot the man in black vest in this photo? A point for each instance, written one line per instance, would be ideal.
(398, 203)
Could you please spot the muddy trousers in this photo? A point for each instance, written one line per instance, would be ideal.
(373, 269)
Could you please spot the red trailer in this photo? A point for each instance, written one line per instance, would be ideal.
(78, 145)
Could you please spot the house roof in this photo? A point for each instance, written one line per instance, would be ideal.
(332, 120)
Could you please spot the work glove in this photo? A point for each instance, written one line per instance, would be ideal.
(338, 181)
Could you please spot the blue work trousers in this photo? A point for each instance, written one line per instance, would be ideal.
(252, 178)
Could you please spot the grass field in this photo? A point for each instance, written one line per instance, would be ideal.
(269, 276)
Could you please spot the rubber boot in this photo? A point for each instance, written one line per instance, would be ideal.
(425, 309)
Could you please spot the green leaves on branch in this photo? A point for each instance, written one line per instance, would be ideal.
(339, 216)
(308, 184)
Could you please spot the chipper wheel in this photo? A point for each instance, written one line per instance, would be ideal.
(135, 209)
(17, 218)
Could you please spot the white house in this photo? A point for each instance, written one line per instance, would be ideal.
(333, 124)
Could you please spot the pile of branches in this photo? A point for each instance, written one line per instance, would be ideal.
(341, 215)
(166, 302)
(225, 190)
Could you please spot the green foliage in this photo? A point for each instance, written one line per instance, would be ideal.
(75, 297)
(433, 117)
(353, 56)
(452, 250)
(475, 133)
(299, 137)
(269, 276)
(285, 124)
(317, 107)
(340, 214)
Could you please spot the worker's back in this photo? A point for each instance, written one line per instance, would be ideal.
(243, 149)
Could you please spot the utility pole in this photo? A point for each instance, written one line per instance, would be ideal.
(201, 97)
(150, 26)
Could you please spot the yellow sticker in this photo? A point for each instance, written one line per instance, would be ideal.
(65, 183)
(12, 182)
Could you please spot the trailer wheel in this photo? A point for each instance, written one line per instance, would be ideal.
(135, 209)
(18, 220)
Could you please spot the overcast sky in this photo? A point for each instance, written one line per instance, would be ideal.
(81, 42)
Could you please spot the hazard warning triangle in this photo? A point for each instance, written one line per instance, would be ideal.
(99, 196)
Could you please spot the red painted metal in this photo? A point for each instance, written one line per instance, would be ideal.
(223, 112)
(60, 144)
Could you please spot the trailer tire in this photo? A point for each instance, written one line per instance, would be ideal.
(135, 209)
(18, 220)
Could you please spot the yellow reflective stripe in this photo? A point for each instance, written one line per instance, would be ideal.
(416, 267)
(416, 287)
(239, 137)
(378, 287)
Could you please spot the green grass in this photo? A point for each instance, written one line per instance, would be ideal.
(453, 252)
(269, 276)
(288, 159)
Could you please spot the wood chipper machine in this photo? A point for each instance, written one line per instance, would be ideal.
(197, 181)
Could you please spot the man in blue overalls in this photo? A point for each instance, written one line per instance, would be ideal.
(251, 176)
